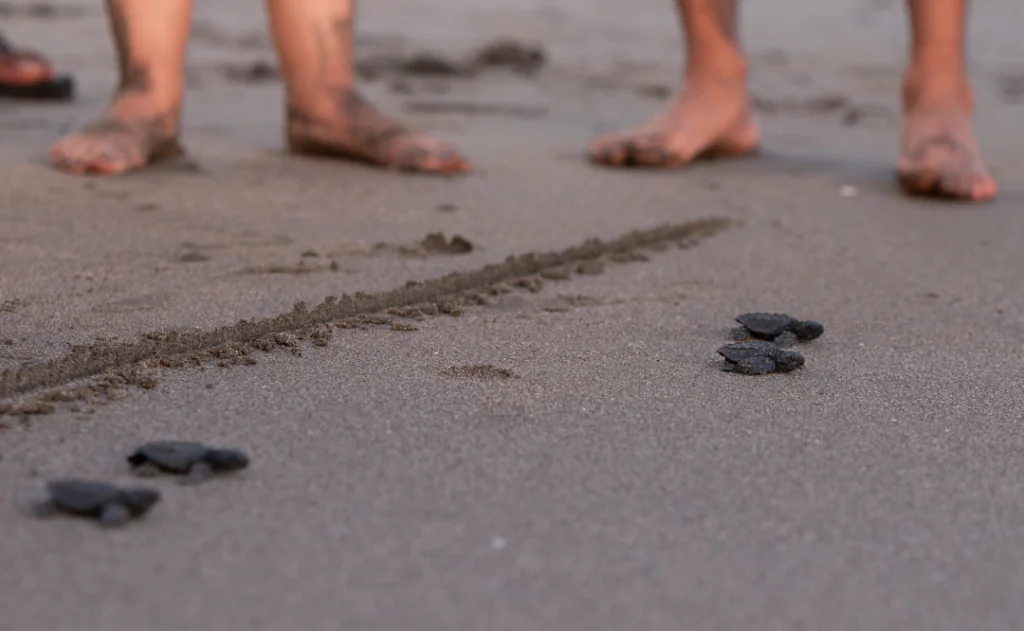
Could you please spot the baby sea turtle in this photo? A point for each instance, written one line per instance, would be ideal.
(776, 326)
(195, 461)
(110, 505)
(758, 358)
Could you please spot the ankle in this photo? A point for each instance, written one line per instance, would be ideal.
(323, 104)
(143, 88)
(727, 69)
(930, 85)
(163, 114)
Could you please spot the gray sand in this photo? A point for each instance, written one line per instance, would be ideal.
(566, 458)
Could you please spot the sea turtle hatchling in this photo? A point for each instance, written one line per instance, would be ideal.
(108, 504)
(195, 461)
(782, 329)
(759, 358)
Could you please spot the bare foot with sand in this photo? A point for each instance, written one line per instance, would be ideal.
(134, 132)
(709, 119)
(326, 114)
(346, 125)
(713, 115)
(940, 156)
(140, 126)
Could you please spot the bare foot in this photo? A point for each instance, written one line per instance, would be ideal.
(941, 157)
(350, 127)
(133, 133)
(703, 121)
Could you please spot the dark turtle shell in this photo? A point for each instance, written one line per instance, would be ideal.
(758, 365)
(171, 455)
(82, 496)
(738, 351)
(767, 324)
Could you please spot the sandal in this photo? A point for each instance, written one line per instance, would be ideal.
(57, 88)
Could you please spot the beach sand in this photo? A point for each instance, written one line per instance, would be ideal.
(596, 470)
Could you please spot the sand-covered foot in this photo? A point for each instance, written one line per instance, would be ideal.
(707, 120)
(134, 132)
(346, 125)
(941, 157)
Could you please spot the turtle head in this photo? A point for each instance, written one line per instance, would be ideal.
(787, 361)
(227, 459)
(140, 499)
(808, 330)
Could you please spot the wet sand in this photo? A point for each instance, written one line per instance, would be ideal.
(549, 442)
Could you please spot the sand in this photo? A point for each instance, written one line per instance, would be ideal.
(464, 440)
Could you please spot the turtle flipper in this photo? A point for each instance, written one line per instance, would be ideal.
(755, 366)
(146, 470)
(786, 339)
(197, 474)
(114, 515)
(739, 334)
(807, 330)
(44, 508)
